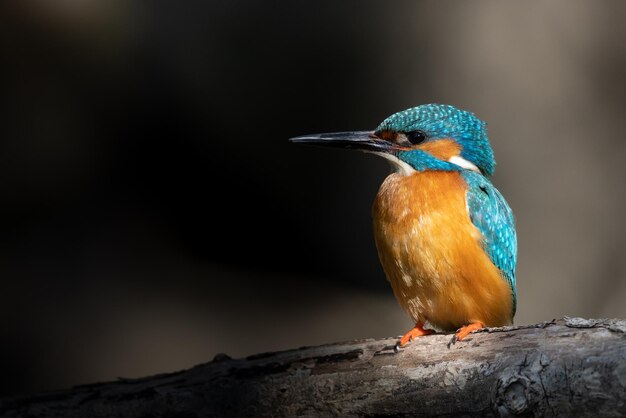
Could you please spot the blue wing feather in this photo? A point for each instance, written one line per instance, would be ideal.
(493, 217)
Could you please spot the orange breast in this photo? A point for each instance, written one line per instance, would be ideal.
(431, 252)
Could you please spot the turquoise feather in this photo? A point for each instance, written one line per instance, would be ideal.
(494, 219)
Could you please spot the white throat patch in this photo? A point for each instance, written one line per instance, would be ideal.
(400, 166)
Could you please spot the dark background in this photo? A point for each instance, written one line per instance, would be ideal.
(154, 214)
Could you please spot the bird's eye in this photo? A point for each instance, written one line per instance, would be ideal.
(416, 137)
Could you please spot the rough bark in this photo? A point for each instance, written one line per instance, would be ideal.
(570, 367)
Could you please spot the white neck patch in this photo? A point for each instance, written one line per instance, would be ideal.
(405, 169)
(462, 162)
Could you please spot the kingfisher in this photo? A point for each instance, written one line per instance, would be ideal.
(445, 236)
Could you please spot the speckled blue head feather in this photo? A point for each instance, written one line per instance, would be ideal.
(439, 121)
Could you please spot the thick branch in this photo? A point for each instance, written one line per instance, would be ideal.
(571, 367)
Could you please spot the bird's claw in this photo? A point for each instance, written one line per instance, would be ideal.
(400, 344)
(453, 341)
(463, 332)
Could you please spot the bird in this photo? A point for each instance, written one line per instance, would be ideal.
(445, 236)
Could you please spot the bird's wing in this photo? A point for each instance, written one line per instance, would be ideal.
(493, 217)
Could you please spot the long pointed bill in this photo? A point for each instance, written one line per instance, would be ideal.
(363, 140)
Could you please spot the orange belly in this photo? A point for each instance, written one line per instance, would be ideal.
(431, 253)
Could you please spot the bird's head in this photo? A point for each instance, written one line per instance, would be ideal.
(426, 137)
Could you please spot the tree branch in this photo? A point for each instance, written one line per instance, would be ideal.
(570, 367)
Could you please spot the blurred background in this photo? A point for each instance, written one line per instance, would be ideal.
(154, 214)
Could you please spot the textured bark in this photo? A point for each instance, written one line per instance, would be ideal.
(570, 367)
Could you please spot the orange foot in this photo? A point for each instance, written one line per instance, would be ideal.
(463, 332)
(417, 331)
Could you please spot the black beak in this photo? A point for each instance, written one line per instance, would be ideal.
(363, 141)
